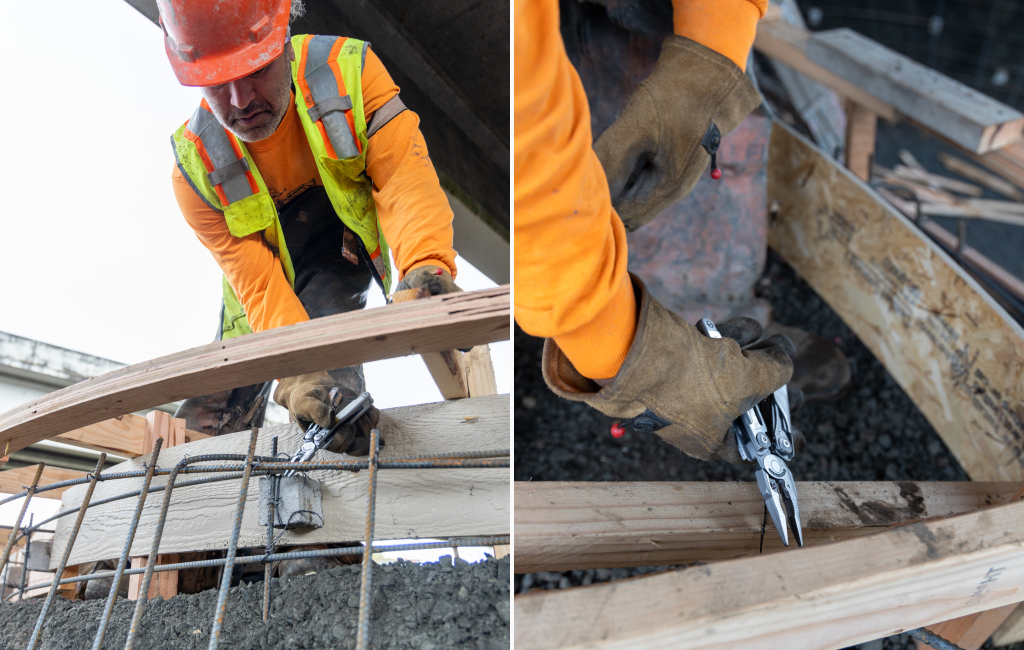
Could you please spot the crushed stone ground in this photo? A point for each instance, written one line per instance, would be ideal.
(415, 606)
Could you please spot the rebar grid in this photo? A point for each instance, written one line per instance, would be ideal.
(252, 465)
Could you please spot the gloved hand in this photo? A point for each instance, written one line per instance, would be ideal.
(307, 398)
(434, 279)
(652, 153)
(695, 384)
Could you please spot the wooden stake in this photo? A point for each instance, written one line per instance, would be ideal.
(861, 125)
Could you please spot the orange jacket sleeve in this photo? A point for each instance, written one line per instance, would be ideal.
(725, 26)
(251, 267)
(411, 206)
(570, 246)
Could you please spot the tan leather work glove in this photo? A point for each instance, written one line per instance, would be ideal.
(696, 386)
(308, 399)
(434, 279)
(652, 153)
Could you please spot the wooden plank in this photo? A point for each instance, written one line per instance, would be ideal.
(561, 526)
(446, 366)
(122, 435)
(969, 118)
(861, 126)
(410, 503)
(480, 372)
(14, 481)
(936, 181)
(828, 596)
(1011, 630)
(954, 351)
(787, 44)
(1008, 162)
(980, 176)
(439, 323)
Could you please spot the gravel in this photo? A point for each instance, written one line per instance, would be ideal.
(873, 433)
(415, 606)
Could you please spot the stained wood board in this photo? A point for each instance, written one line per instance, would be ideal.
(955, 352)
(124, 436)
(14, 481)
(410, 503)
(439, 323)
(828, 596)
(969, 118)
(562, 526)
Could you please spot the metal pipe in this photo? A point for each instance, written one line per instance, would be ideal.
(225, 584)
(21, 515)
(116, 582)
(363, 636)
(67, 551)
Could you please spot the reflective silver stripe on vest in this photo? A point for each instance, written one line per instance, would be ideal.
(228, 169)
(324, 88)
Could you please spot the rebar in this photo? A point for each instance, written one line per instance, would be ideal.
(67, 550)
(363, 636)
(116, 582)
(225, 585)
(271, 513)
(934, 640)
(25, 557)
(21, 515)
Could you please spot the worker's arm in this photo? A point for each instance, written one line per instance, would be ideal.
(411, 206)
(250, 265)
(570, 252)
(725, 26)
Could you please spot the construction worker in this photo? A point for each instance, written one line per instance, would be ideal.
(302, 172)
(609, 343)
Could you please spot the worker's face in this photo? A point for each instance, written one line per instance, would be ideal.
(252, 107)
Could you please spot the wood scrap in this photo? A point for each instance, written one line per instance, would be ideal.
(910, 161)
(561, 526)
(980, 176)
(1008, 162)
(124, 436)
(969, 118)
(14, 481)
(410, 502)
(861, 127)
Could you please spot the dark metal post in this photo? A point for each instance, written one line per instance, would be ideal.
(116, 580)
(94, 478)
(229, 565)
(363, 637)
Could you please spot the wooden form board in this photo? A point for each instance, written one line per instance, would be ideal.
(969, 118)
(955, 352)
(410, 503)
(438, 323)
(828, 596)
(124, 436)
(14, 481)
(561, 526)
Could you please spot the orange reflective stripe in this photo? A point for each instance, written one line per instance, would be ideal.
(248, 174)
(350, 116)
(205, 157)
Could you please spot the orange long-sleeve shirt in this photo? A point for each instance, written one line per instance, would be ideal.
(412, 208)
(570, 245)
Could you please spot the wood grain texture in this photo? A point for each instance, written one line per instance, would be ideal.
(956, 353)
(480, 372)
(965, 116)
(124, 436)
(828, 596)
(861, 127)
(14, 481)
(410, 503)
(438, 323)
(445, 367)
(979, 175)
(561, 526)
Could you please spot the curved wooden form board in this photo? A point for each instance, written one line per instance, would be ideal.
(828, 596)
(410, 503)
(955, 352)
(455, 320)
(561, 526)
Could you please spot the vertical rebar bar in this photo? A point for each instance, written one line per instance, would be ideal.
(229, 565)
(116, 580)
(21, 515)
(363, 638)
(147, 577)
(25, 556)
(271, 513)
(93, 479)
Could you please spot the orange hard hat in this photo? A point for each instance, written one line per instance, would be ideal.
(212, 42)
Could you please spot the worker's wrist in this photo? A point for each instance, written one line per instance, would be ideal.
(725, 26)
(431, 262)
(598, 348)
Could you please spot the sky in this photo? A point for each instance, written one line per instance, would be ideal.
(98, 258)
